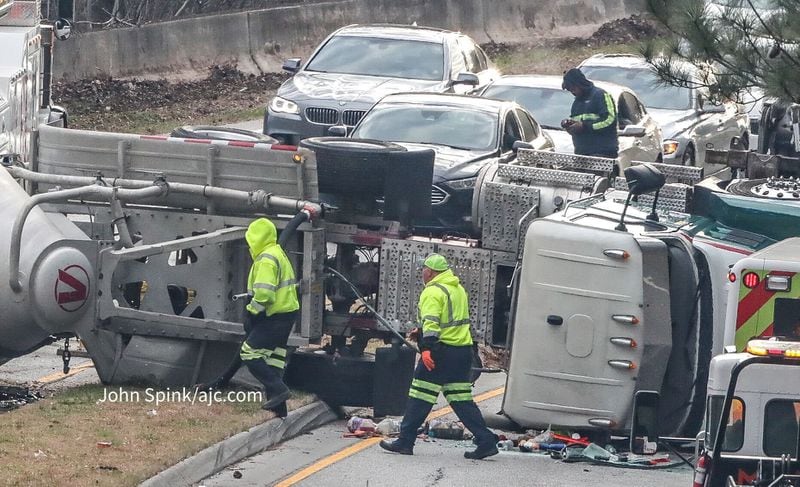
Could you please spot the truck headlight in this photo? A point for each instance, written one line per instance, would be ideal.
(461, 184)
(670, 147)
(282, 105)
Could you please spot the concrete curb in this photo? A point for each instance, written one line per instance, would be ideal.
(238, 447)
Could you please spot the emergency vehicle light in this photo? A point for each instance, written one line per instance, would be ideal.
(778, 283)
(751, 280)
(774, 348)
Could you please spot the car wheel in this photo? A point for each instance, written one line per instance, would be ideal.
(689, 157)
(221, 133)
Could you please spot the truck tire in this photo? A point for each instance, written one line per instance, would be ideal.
(339, 381)
(341, 146)
(705, 339)
(351, 167)
(221, 133)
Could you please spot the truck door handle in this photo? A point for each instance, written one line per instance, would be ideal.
(555, 320)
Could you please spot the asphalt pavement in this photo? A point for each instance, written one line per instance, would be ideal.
(325, 458)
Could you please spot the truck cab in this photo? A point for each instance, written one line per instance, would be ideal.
(757, 392)
(24, 79)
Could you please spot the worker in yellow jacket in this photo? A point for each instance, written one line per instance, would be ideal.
(446, 363)
(272, 312)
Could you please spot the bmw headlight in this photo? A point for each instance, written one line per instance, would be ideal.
(282, 105)
(670, 147)
(461, 184)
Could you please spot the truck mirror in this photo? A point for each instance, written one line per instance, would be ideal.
(644, 428)
(644, 178)
(62, 29)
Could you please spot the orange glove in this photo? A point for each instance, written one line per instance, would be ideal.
(427, 360)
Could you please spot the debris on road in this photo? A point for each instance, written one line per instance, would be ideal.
(388, 427)
(12, 397)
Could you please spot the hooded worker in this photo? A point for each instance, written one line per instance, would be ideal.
(446, 364)
(593, 118)
(272, 312)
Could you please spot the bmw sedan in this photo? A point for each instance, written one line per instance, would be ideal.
(465, 132)
(639, 135)
(360, 64)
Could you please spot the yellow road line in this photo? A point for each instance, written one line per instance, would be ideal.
(57, 376)
(364, 444)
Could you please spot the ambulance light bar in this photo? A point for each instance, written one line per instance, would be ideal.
(774, 348)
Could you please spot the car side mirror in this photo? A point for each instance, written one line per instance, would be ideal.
(337, 131)
(292, 65)
(519, 144)
(465, 78)
(633, 131)
(709, 107)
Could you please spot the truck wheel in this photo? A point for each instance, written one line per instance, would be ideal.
(343, 147)
(705, 338)
(221, 133)
(339, 381)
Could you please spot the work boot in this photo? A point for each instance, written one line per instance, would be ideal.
(481, 452)
(396, 447)
(475, 439)
(276, 400)
(281, 411)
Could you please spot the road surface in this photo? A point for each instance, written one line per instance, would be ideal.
(324, 458)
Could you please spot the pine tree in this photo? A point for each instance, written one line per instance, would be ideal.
(744, 44)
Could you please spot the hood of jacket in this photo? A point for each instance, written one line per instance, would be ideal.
(446, 278)
(260, 235)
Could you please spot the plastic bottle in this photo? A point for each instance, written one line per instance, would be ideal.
(506, 445)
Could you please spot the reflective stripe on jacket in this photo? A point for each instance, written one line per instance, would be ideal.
(444, 312)
(271, 281)
(597, 109)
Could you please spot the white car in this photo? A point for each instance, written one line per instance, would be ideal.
(690, 121)
(639, 135)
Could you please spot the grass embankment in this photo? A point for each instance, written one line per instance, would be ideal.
(56, 441)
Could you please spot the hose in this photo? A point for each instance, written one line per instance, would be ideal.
(380, 318)
(292, 226)
(385, 323)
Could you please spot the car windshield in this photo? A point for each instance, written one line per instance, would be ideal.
(372, 56)
(547, 105)
(461, 128)
(644, 82)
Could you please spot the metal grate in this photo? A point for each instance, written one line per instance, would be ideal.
(438, 195)
(327, 116)
(352, 117)
(557, 160)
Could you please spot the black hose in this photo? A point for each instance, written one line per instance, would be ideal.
(380, 318)
(291, 227)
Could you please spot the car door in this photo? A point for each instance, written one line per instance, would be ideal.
(476, 62)
(652, 141)
(531, 132)
(631, 147)
(458, 64)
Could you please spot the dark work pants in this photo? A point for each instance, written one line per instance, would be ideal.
(264, 350)
(451, 375)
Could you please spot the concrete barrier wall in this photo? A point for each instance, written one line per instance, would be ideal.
(259, 40)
